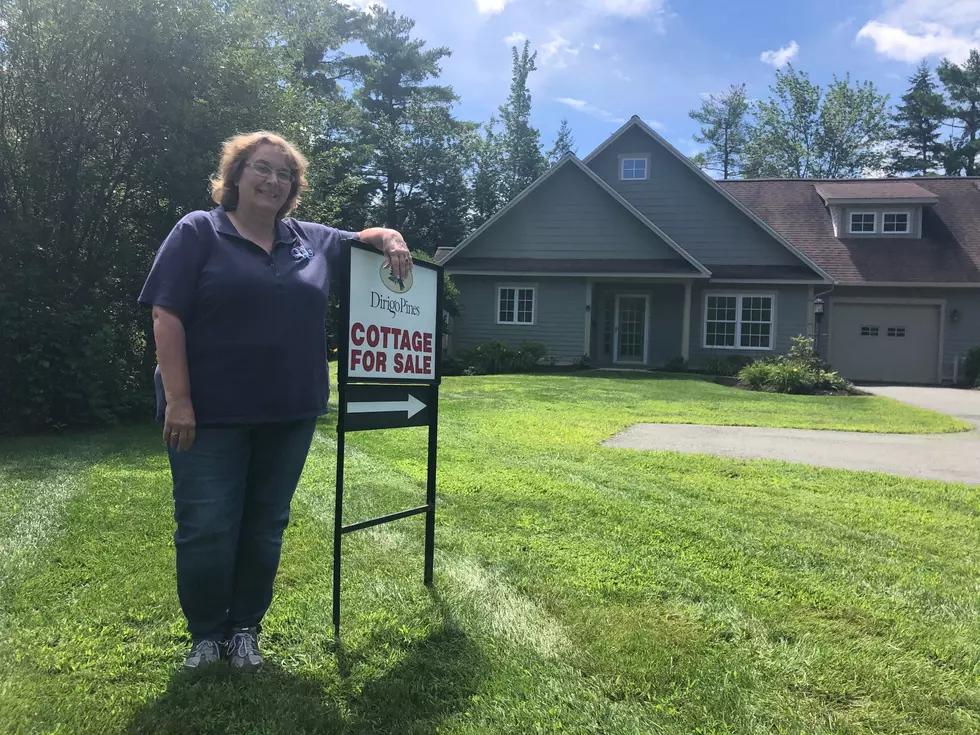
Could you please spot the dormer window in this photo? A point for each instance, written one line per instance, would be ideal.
(633, 168)
(863, 222)
(897, 223)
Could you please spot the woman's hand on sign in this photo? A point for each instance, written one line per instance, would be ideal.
(179, 426)
(390, 242)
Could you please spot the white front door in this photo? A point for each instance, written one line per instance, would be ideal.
(630, 342)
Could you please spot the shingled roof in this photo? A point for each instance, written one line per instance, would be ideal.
(948, 252)
(885, 192)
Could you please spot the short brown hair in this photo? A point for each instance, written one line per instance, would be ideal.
(234, 154)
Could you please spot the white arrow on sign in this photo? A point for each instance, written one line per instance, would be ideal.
(411, 406)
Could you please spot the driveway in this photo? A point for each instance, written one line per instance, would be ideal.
(948, 457)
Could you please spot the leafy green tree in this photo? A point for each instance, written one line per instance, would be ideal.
(488, 178)
(111, 119)
(523, 161)
(853, 129)
(782, 142)
(802, 131)
(962, 85)
(564, 143)
(916, 125)
(724, 121)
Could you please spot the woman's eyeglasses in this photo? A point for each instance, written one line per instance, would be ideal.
(283, 176)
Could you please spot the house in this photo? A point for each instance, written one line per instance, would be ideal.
(634, 257)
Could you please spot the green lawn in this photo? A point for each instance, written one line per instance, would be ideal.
(579, 588)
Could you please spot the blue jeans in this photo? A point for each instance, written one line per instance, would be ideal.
(232, 492)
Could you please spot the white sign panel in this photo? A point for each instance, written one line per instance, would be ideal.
(393, 322)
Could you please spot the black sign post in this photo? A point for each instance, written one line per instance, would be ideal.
(403, 393)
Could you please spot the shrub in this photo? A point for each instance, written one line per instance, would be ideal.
(971, 367)
(495, 358)
(800, 372)
(676, 365)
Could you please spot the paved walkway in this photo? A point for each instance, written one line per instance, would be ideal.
(949, 457)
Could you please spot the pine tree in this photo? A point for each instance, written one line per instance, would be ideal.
(395, 100)
(962, 85)
(564, 143)
(916, 127)
(724, 120)
(523, 161)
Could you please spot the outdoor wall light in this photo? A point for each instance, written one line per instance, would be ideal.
(818, 308)
(954, 315)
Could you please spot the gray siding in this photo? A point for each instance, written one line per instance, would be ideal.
(957, 337)
(696, 216)
(792, 318)
(915, 216)
(559, 315)
(569, 216)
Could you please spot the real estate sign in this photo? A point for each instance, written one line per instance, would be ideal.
(388, 376)
(393, 322)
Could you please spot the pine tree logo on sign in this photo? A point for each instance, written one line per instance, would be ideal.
(398, 285)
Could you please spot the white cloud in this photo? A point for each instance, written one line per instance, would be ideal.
(365, 5)
(628, 8)
(618, 73)
(657, 125)
(515, 38)
(491, 7)
(782, 56)
(596, 47)
(557, 51)
(590, 109)
(911, 30)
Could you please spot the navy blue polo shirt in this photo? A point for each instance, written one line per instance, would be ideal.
(254, 321)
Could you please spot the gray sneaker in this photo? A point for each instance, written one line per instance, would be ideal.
(243, 650)
(203, 653)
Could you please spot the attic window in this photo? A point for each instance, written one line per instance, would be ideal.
(896, 222)
(862, 222)
(633, 168)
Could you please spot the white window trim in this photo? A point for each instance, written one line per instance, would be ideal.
(850, 222)
(738, 320)
(635, 157)
(908, 223)
(533, 288)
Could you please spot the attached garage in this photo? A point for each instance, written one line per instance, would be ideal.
(886, 342)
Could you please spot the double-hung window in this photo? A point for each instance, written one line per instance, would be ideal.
(515, 304)
(739, 321)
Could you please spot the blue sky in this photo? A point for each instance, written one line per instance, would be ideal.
(601, 61)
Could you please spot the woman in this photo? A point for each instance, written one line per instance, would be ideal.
(239, 298)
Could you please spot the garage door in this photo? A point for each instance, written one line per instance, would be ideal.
(890, 343)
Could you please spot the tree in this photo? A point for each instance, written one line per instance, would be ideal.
(915, 127)
(395, 98)
(724, 120)
(962, 84)
(523, 161)
(112, 114)
(564, 143)
(488, 178)
(782, 142)
(853, 130)
(803, 132)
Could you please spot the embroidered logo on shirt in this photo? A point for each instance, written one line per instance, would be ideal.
(301, 252)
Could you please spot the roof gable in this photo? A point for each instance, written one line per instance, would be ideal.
(597, 217)
(688, 205)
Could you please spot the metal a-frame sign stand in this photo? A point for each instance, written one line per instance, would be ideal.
(388, 375)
